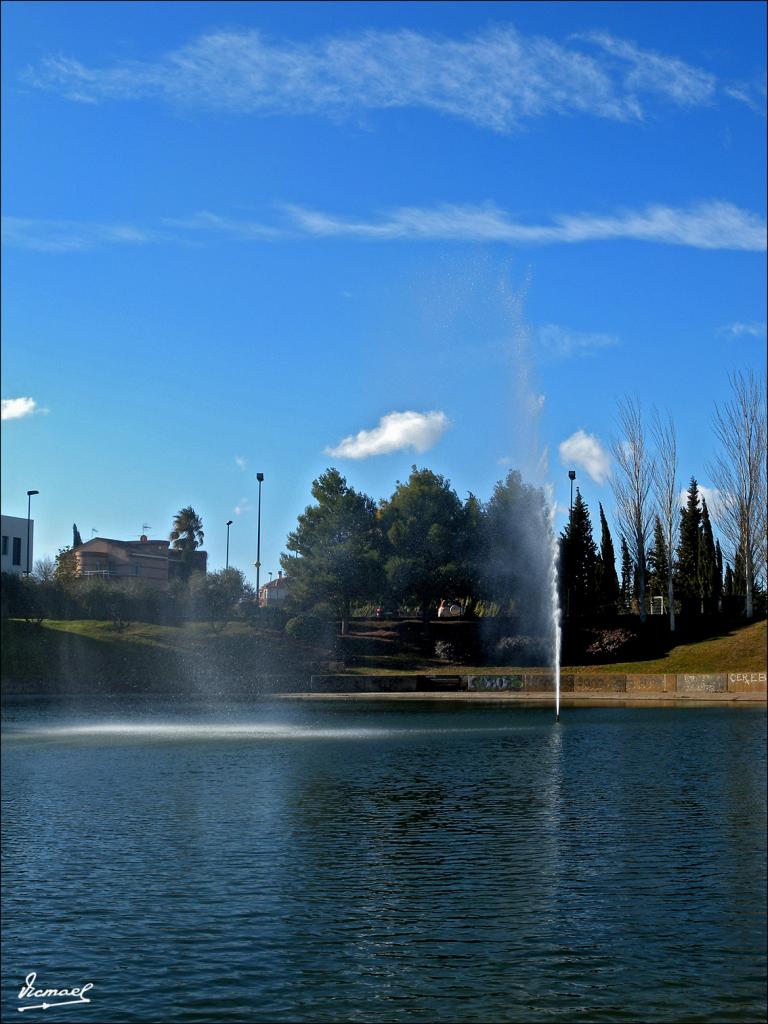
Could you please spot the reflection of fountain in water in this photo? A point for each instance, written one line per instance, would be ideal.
(256, 732)
(555, 592)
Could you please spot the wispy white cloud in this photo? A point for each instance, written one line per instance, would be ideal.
(751, 94)
(646, 71)
(562, 343)
(205, 221)
(495, 79)
(708, 225)
(18, 408)
(242, 507)
(586, 452)
(70, 236)
(752, 329)
(241, 461)
(397, 430)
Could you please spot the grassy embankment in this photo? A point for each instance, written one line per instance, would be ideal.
(735, 649)
(147, 657)
(141, 656)
(740, 650)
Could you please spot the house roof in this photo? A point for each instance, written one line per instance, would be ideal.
(134, 545)
(279, 582)
(97, 540)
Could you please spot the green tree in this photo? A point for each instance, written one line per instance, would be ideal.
(739, 576)
(728, 583)
(187, 530)
(424, 525)
(77, 540)
(658, 561)
(627, 576)
(473, 544)
(335, 548)
(578, 560)
(216, 595)
(607, 580)
(517, 553)
(66, 565)
(186, 536)
(688, 576)
(710, 580)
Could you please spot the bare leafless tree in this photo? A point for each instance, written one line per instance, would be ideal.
(667, 495)
(44, 569)
(738, 471)
(632, 482)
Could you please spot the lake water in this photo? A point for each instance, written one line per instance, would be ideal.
(386, 862)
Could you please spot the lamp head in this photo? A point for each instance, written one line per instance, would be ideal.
(259, 477)
(229, 522)
(571, 474)
(29, 493)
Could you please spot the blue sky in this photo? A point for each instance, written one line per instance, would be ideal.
(241, 237)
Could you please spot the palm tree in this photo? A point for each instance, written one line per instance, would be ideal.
(187, 533)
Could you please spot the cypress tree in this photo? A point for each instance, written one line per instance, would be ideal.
(627, 576)
(77, 540)
(687, 581)
(607, 580)
(709, 578)
(739, 576)
(719, 561)
(579, 562)
(728, 581)
(658, 562)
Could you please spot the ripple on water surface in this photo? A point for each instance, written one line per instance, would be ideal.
(384, 863)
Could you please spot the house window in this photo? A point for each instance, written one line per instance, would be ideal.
(16, 551)
(5, 545)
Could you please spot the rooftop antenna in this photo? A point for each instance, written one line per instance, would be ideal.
(145, 527)
(93, 532)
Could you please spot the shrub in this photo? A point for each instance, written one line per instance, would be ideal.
(308, 629)
(270, 617)
(608, 642)
(445, 650)
(215, 596)
(523, 650)
(12, 596)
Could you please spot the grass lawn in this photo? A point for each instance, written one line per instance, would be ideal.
(740, 650)
(173, 638)
(141, 651)
(91, 653)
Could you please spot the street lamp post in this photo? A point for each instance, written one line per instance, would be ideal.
(29, 521)
(260, 478)
(229, 523)
(571, 477)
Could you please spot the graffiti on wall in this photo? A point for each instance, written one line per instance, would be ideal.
(496, 683)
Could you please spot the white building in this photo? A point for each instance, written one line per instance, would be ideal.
(14, 550)
(274, 592)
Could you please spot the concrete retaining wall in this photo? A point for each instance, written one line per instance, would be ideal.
(386, 684)
(543, 682)
(683, 682)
